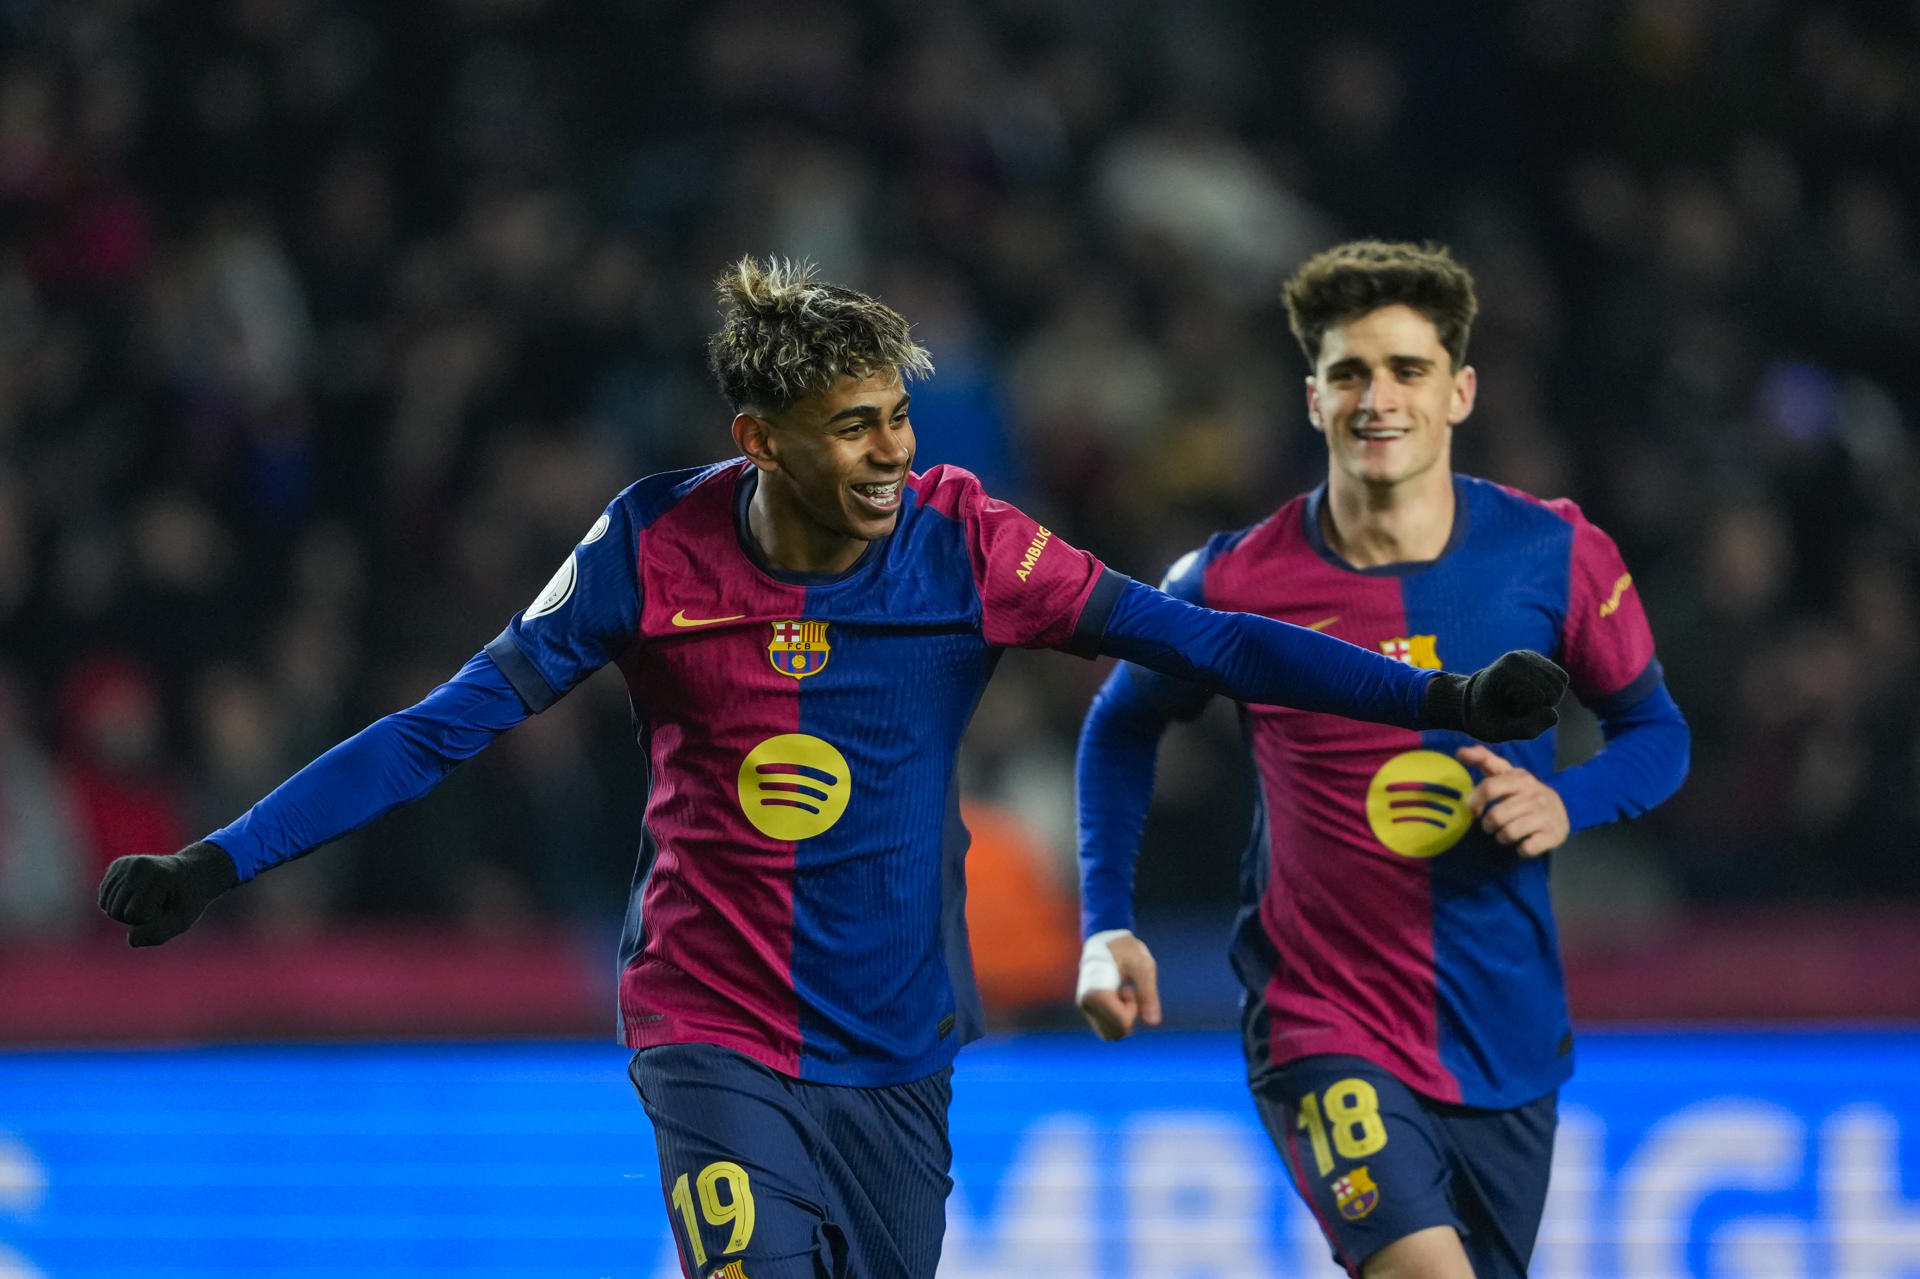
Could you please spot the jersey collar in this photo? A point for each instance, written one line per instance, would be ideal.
(1310, 518)
(743, 497)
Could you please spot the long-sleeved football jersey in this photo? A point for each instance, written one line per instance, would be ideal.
(1378, 919)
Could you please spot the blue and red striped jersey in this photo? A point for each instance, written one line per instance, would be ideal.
(800, 894)
(1379, 920)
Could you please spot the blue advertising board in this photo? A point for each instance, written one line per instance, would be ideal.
(1697, 1154)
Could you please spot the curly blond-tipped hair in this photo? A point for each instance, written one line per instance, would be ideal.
(784, 336)
(1349, 280)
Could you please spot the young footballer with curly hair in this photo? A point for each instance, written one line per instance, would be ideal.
(1406, 1030)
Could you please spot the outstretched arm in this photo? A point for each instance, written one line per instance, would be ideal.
(583, 617)
(391, 762)
(1256, 659)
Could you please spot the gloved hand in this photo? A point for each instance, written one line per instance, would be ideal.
(160, 897)
(1510, 700)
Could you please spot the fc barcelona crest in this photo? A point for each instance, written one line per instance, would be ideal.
(1415, 650)
(799, 649)
(1355, 1194)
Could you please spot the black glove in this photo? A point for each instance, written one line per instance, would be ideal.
(160, 897)
(1509, 701)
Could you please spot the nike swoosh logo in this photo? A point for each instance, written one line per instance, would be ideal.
(681, 619)
(1324, 623)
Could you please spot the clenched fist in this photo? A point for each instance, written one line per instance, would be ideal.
(158, 898)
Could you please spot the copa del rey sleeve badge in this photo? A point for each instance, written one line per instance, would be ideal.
(799, 648)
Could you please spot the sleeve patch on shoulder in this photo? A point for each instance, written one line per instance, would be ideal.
(557, 591)
(1181, 567)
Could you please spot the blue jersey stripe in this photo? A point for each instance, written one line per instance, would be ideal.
(1502, 1011)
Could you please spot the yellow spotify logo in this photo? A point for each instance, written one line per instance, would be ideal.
(794, 786)
(1417, 803)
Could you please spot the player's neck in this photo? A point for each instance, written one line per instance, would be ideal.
(792, 541)
(1368, 525)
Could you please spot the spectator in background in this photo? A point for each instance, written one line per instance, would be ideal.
(43, 891)
(125, 797)
(281, 282)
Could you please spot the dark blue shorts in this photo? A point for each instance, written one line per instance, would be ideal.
(1376, 1161)
(768, 1177)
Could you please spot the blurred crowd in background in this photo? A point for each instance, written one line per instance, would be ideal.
(326, 328)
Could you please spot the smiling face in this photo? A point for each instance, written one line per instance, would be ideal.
(1387, 397)
(832, 470)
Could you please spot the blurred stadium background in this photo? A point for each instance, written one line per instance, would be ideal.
(327, 327)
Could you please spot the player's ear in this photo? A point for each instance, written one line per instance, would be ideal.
(1466, 383)
(1313, 405)
(754, 438)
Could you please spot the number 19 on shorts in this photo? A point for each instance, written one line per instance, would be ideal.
(1350, 1117)
(736, 1210)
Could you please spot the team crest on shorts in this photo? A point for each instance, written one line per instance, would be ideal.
(799, 648)
(1355, 1194)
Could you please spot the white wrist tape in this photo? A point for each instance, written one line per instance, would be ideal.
(1098, 971)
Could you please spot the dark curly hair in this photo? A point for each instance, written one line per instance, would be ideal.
(1349, 280)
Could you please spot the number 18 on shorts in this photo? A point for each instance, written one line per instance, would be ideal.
(1376, 1162)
